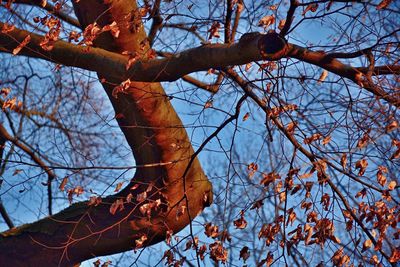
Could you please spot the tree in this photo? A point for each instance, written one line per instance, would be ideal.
(332, 172)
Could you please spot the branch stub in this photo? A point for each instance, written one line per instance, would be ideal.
(272, 46)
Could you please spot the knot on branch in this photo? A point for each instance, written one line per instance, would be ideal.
(272, 46)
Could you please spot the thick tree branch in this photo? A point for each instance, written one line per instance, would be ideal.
(357, 75)
(156, 136)
(251, 47)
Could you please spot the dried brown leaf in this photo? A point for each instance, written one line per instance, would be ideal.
(63, 183)
(323, 76)
(266, 21)
(384, 4)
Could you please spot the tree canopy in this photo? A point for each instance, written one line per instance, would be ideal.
(235, 132)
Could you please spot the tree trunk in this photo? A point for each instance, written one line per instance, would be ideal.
(176, 186)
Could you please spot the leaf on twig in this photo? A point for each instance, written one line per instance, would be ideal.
(244, 253)
(392, 126)
(312, 138)
(266, 21)
(392, 185)
(291, 127)
(214, 30)
(240, 223)
(363, 140)
(362, 166)
(118, 187)
(7, 28)
(323, 76)
(63, 183)
(326, 140)
(246, 116)
(310, 7)
(117, 205)
(384, 4)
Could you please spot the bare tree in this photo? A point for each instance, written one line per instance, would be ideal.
(301, 117)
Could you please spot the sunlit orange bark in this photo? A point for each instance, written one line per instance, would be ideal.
(155, 134)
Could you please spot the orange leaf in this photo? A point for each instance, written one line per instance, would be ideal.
(392, 185)
(248, 66)
(244, 253)
(270, 259)
(361, 193)
(252, 169)
(211, 230)
(367, 244)
(291, 127)
(396, 154)
(310, 7)
(94, 201)
(323, 76)
(363, 140)
(7, 28)
(384, 4)
(269, 178)
(312, 138)
(63, 183)
(5, 91)
(118, 204)
(214, 30)
(208, 104)
(381, 178)
(273, 7)
(292, 216)
(118, 187)
(343, 161)
(112, 28)
(240, 223)
(246, 116)
(140, 242)
(326, 140)
(392, 126)
(141, 197)
(362, 165)
(305, 175)
(129, 198)
(395, 257)
(266, 21)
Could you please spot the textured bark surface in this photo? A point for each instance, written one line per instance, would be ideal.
(251, 47)
(155, 135)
